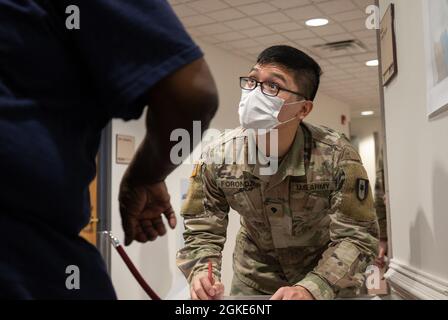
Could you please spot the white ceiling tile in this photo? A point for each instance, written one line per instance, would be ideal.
(196, 20)
(309, 42)
(299, 34)
(336, 73)
(287, 26)
(255, 50)
(224, 46)
(304, 13)
(329, 29)
(364, 34)
(226, 14)
(370, 41)
(343, 77)
(354, 25)
(349, 65)
(363, 4)
(258, 31)
(213, 29)
(248, 57)
(336, 6)
(339, 60)
(245, 43)
(240, 24)
(353, 71)
(330, 67)
(365, 57)
(349, 15)
(204, 6)
(371, 47)
(257, 8)
(352, 82)
(287, 4)
(271, 40)
(228, 36)
(210, 39)
(272, 18)
(235, 3)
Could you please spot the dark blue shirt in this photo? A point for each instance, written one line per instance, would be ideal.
(58, 89)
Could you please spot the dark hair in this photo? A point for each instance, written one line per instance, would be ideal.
(306, 70)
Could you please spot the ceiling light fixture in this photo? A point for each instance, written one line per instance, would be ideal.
(367, 113)
(372, 63)
(317, 22)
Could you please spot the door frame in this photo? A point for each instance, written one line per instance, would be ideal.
(384, 141)
(104, 183)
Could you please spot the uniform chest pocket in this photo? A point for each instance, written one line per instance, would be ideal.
(242, 199)
(241, 203)
(309, 205)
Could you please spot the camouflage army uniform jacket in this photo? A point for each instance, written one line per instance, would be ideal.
(312, 224)
(380, 204)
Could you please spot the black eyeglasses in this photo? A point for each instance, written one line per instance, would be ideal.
(268, 88)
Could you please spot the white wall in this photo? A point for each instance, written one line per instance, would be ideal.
(327, 111)
(417, 154)
(156, 260)
(363, 129)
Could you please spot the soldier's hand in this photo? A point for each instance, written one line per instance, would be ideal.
(292, 293)
(382, 252)
(141, 210)
(202, 289)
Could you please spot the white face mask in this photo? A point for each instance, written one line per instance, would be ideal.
(259, 111)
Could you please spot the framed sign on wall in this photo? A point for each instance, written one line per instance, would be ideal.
(125, 149)
(389, 65)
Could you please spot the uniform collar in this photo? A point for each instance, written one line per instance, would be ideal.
(293, 163)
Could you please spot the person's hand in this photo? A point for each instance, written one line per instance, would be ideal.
(202, 289)
(141, 209)
(380, 261)
(292, 293)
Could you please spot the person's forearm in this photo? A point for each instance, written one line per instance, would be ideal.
(152, 161)
(175, 103)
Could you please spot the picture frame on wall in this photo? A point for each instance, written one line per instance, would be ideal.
(435, 16)
(389, 65)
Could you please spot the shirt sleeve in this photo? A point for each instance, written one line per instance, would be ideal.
(353, 233)
(205, 214)
(126, 47)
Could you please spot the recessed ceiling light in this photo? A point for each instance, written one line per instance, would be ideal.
(317, 22)
(367, 113)
(372, 63)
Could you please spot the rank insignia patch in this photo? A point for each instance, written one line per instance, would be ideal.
(196, 169)
(362, 189)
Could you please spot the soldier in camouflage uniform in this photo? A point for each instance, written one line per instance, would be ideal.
(312, 225)
(380, 206)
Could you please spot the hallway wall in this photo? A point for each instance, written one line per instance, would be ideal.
(363, 130)
(417, 161)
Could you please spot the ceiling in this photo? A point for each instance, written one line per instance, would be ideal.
(246, 27)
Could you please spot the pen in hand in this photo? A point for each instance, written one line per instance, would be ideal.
(210, 273)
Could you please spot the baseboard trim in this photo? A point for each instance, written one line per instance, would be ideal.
(414, 284)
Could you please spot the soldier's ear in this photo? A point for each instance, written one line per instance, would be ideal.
(306, 109)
